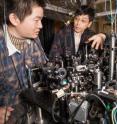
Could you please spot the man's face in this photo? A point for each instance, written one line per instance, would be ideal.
(31, 25)
(81, 22)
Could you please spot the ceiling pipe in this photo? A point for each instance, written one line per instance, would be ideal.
(58, 9)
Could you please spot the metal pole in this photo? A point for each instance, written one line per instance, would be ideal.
(112, 57)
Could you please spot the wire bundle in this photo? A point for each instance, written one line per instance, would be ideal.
(114, 115)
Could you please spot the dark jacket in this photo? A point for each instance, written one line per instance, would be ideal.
(64, 43)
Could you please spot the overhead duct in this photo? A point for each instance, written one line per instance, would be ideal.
(60, 10)
(71, 4)
(57, 9)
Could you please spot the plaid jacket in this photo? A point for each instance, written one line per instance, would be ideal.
(13, 69)
(64, 43)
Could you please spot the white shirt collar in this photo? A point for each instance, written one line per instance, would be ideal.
(11, 48)
(77, 37)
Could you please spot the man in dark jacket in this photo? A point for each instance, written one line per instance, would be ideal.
(73, 38)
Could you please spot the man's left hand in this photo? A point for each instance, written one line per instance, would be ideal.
(97, 40)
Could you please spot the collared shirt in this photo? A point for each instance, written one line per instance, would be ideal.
(77, 38)
(11, 48)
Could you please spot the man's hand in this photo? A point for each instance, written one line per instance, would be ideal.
(97, 40)
(5, 113)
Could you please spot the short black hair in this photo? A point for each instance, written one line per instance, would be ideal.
(86, 10)
(21, 8)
